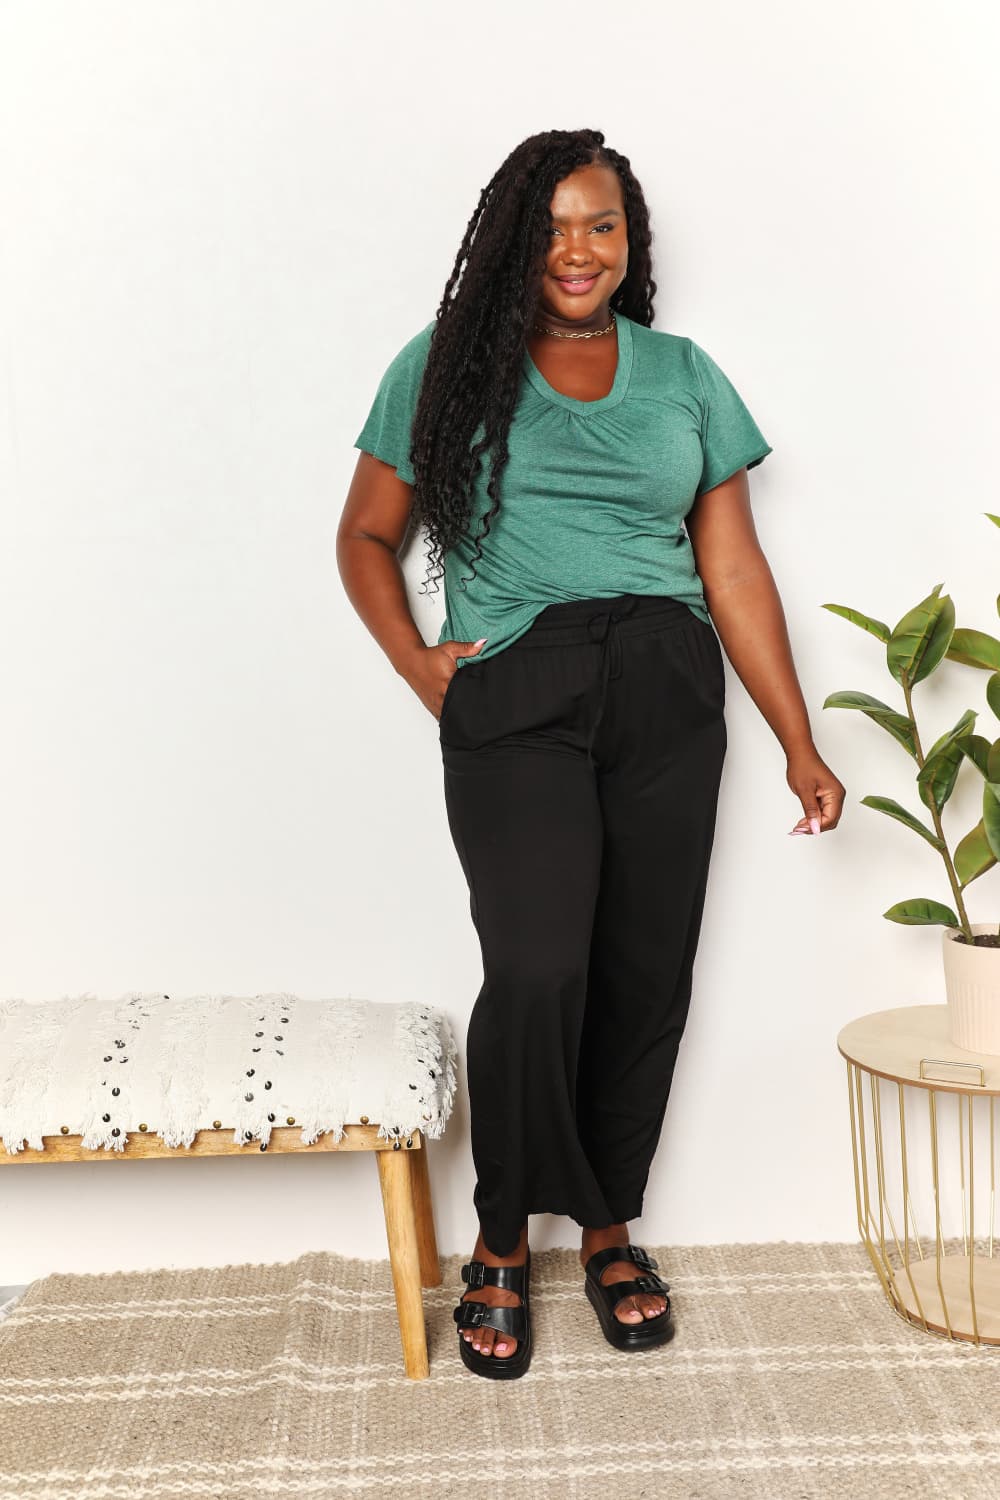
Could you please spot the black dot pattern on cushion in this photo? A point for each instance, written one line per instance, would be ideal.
(104, 1068)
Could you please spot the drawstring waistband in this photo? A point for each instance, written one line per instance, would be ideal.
(601, 619)
(602, 627)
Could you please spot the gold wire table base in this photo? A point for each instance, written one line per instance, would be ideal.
(925, 1166)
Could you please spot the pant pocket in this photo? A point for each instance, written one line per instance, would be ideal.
(711, 654)
(450, 722)
(448, 694)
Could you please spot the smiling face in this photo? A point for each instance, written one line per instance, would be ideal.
(588, 249)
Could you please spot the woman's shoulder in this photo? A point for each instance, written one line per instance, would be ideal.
(660, 340)
(416, 347)
(660, 353)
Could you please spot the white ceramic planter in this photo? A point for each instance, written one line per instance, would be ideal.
(972, 985)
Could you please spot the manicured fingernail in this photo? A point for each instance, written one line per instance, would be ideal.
(814, 824)
(483, 641)
(794, 831)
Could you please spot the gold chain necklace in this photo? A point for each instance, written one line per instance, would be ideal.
(591, 333)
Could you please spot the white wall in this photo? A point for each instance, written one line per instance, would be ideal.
(221, 221)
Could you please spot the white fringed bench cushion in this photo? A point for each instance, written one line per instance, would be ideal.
(179, 1065)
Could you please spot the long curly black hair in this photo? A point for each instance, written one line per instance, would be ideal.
(474, 365)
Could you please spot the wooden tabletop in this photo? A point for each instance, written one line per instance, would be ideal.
(892, 1044)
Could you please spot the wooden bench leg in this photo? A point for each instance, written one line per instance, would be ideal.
(430, 1264)
(395, 1177)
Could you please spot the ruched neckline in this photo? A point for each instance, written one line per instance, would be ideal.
(619, 388)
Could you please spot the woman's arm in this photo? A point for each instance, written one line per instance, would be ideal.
(372, 530)
(747, 612)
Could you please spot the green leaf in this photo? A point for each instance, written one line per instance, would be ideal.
(922, 638)
(993, 693)
(894, 810)
(974, 648)
(994, 519)
(866, 622)
(973, 855)
(919, 912)
(900, 726)
(993, 762)
(991, 818)
(937, 776)
(977, 748)
(950, 735)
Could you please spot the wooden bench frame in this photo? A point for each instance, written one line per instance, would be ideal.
(403, 1178)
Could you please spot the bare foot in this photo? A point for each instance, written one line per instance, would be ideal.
(490, 1340)
(641, 1304)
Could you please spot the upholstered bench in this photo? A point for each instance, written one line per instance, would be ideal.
(91, 1079)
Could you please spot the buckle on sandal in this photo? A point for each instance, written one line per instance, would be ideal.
(474, 1272)
(641, 1258)
(469, 1314)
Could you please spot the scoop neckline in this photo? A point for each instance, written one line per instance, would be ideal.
(619, 385)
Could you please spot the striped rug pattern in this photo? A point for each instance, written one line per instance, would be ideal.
(789, 1377)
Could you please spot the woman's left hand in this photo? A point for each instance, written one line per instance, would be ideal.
(817, 788)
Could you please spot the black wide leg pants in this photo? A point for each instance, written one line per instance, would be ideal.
(582, 767)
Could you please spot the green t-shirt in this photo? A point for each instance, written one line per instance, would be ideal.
(594, 494)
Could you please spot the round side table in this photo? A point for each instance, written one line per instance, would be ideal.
(925, 1168)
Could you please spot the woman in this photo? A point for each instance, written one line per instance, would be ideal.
(579, 687)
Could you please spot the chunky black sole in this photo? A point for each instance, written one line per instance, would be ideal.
(507, 1366)
(604, 1299)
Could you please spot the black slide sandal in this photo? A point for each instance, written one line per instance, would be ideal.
(604, 1299)
(515, 1321)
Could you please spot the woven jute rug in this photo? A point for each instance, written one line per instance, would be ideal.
(789, 1376)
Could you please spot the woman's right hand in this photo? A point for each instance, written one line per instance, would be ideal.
(435, 666)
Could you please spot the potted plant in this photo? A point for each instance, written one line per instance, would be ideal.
(915, 648)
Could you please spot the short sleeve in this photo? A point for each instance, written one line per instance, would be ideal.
(730, 438)
(388, 426)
